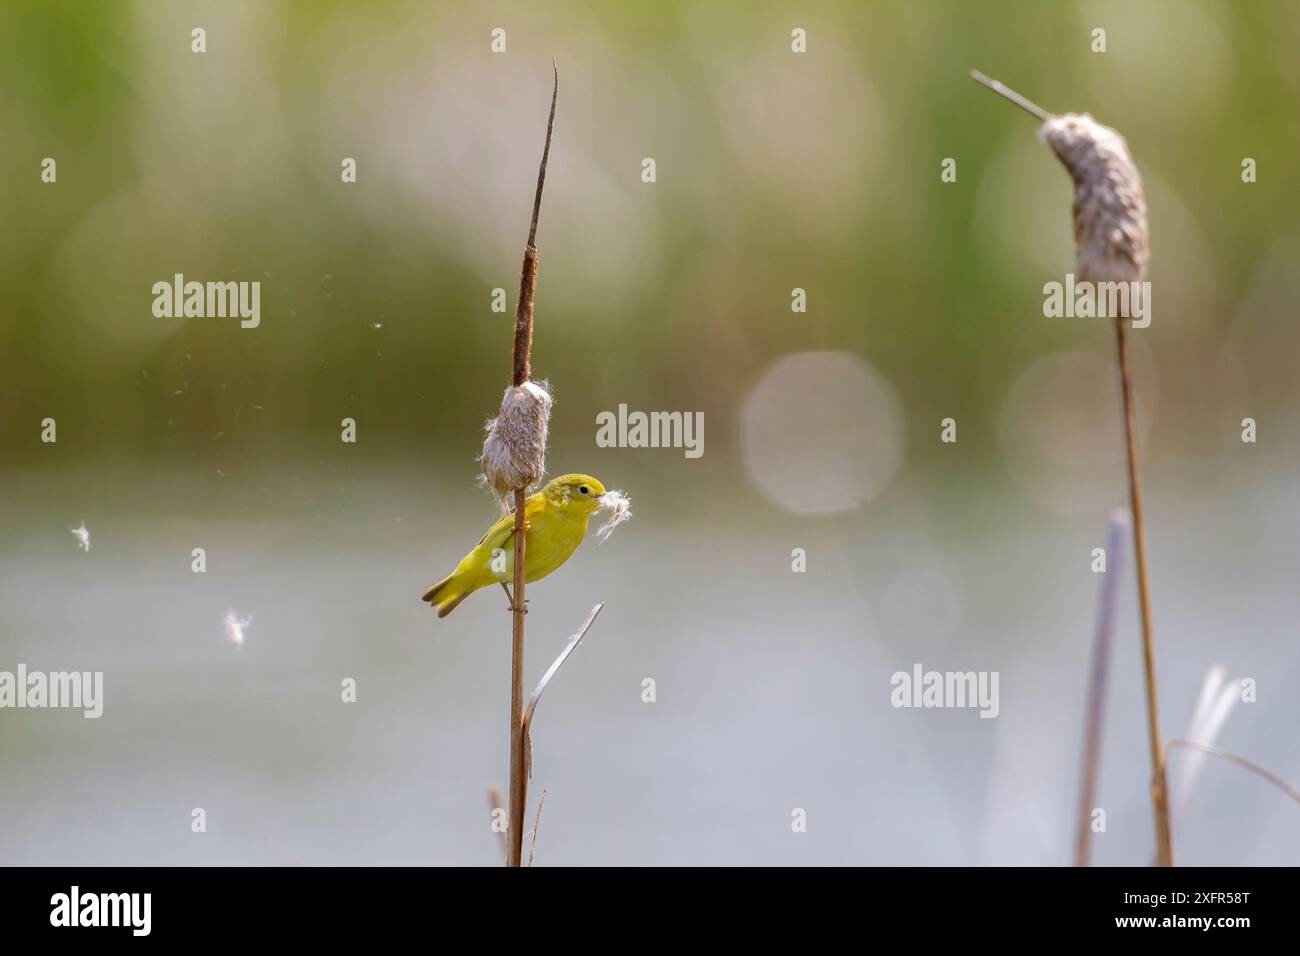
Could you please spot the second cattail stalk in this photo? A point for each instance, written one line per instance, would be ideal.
(1110, 231)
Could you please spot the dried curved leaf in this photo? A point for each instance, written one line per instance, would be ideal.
(546, 679)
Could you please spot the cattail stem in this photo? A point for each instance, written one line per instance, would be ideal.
(537, 823)
(497, 802)
(521, 371)
(1097, 686)
(1110, 231)
(1159, 783)
(518, 771)
(1029, 106)
(522, 358)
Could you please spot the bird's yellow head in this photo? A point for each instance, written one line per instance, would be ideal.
(574, 491)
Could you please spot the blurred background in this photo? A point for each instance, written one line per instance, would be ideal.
(774, 171)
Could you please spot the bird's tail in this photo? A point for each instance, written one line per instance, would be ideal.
(444, 596)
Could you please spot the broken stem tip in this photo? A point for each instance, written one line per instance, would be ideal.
(1027, 105)
(546, 155)
(521, 363)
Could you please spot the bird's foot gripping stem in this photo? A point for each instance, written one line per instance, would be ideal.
(511, 608)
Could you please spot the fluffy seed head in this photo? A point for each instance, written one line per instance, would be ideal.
(1110, 209)
(514, 452)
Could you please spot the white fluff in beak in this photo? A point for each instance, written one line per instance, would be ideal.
(619, 507)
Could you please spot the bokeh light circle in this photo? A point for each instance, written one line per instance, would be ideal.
(1061, 428)
(821, 432)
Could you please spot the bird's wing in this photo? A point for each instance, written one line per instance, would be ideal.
(497, 535)
(502, 530)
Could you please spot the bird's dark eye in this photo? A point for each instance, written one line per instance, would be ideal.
(583, 489)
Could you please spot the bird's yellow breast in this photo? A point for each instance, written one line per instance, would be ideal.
(553, 535)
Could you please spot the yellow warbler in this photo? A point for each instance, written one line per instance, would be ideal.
(557, 519)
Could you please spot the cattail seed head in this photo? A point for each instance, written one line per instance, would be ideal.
(1110, 209)
(514, 452)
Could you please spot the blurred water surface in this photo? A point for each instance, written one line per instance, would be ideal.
(772, 687)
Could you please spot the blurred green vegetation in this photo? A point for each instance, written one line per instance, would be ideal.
(775, 170)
